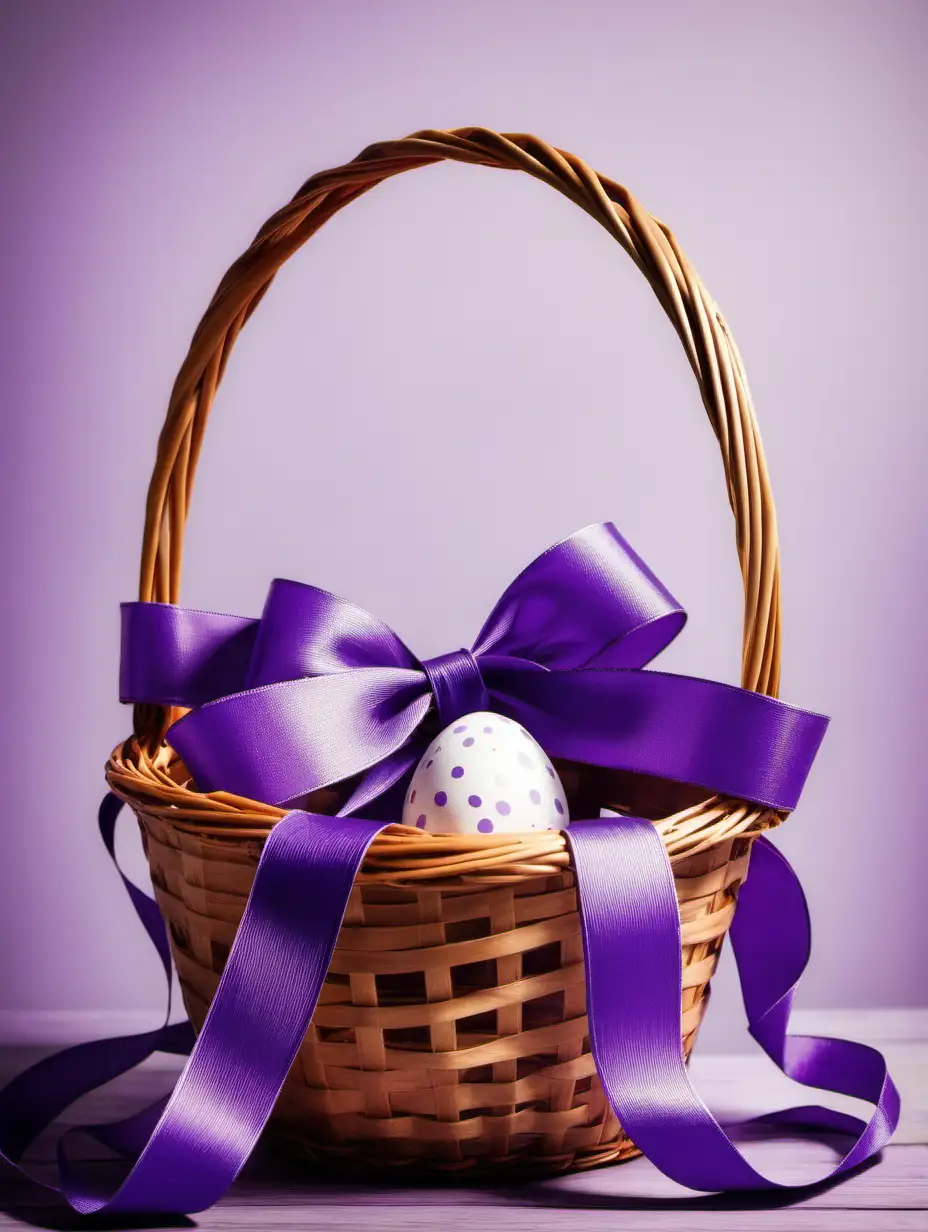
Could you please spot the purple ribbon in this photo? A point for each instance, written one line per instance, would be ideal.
(191, 1147)
(632, 951)
(318, 691)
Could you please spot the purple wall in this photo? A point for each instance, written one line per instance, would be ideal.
(484, 369)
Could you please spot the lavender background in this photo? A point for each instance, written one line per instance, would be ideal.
(459, 370)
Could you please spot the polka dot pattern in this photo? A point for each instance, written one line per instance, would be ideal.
(485, 764)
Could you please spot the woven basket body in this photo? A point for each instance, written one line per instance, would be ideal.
(451, 1031)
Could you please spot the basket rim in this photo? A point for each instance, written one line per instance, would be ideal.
(156, 786)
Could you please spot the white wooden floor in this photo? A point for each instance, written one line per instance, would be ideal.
(889, 1196)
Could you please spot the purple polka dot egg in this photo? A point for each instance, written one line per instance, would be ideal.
(485, 774)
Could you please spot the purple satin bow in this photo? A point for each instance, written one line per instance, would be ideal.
(318, 690)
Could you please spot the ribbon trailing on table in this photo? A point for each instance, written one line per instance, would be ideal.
(191, 1147)
(319, 690)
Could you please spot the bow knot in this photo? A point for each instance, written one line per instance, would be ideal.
(456, 685)
(319, 691)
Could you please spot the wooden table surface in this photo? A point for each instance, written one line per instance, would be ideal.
(890, 1195)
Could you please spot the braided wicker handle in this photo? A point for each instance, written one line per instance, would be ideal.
(709, 346)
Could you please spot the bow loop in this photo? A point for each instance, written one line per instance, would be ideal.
(305, 631)
(589, 601)
(319, 691)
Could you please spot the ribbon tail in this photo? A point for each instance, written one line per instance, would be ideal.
(631, 937)
(227, 1090)
(730, 741)
(145, 906)
(31, 1102)
(770, 963)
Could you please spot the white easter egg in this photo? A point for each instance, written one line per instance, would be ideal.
(485, 774)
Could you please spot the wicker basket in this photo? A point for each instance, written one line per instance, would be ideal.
(451, 1031)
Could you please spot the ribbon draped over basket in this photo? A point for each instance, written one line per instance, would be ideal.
(188, 1149)
(319, 690)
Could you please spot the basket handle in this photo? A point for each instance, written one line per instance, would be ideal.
(709, 346)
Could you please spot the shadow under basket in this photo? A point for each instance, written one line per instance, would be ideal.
(451, 1033)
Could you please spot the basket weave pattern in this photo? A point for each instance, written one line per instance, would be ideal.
(452, 1028)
